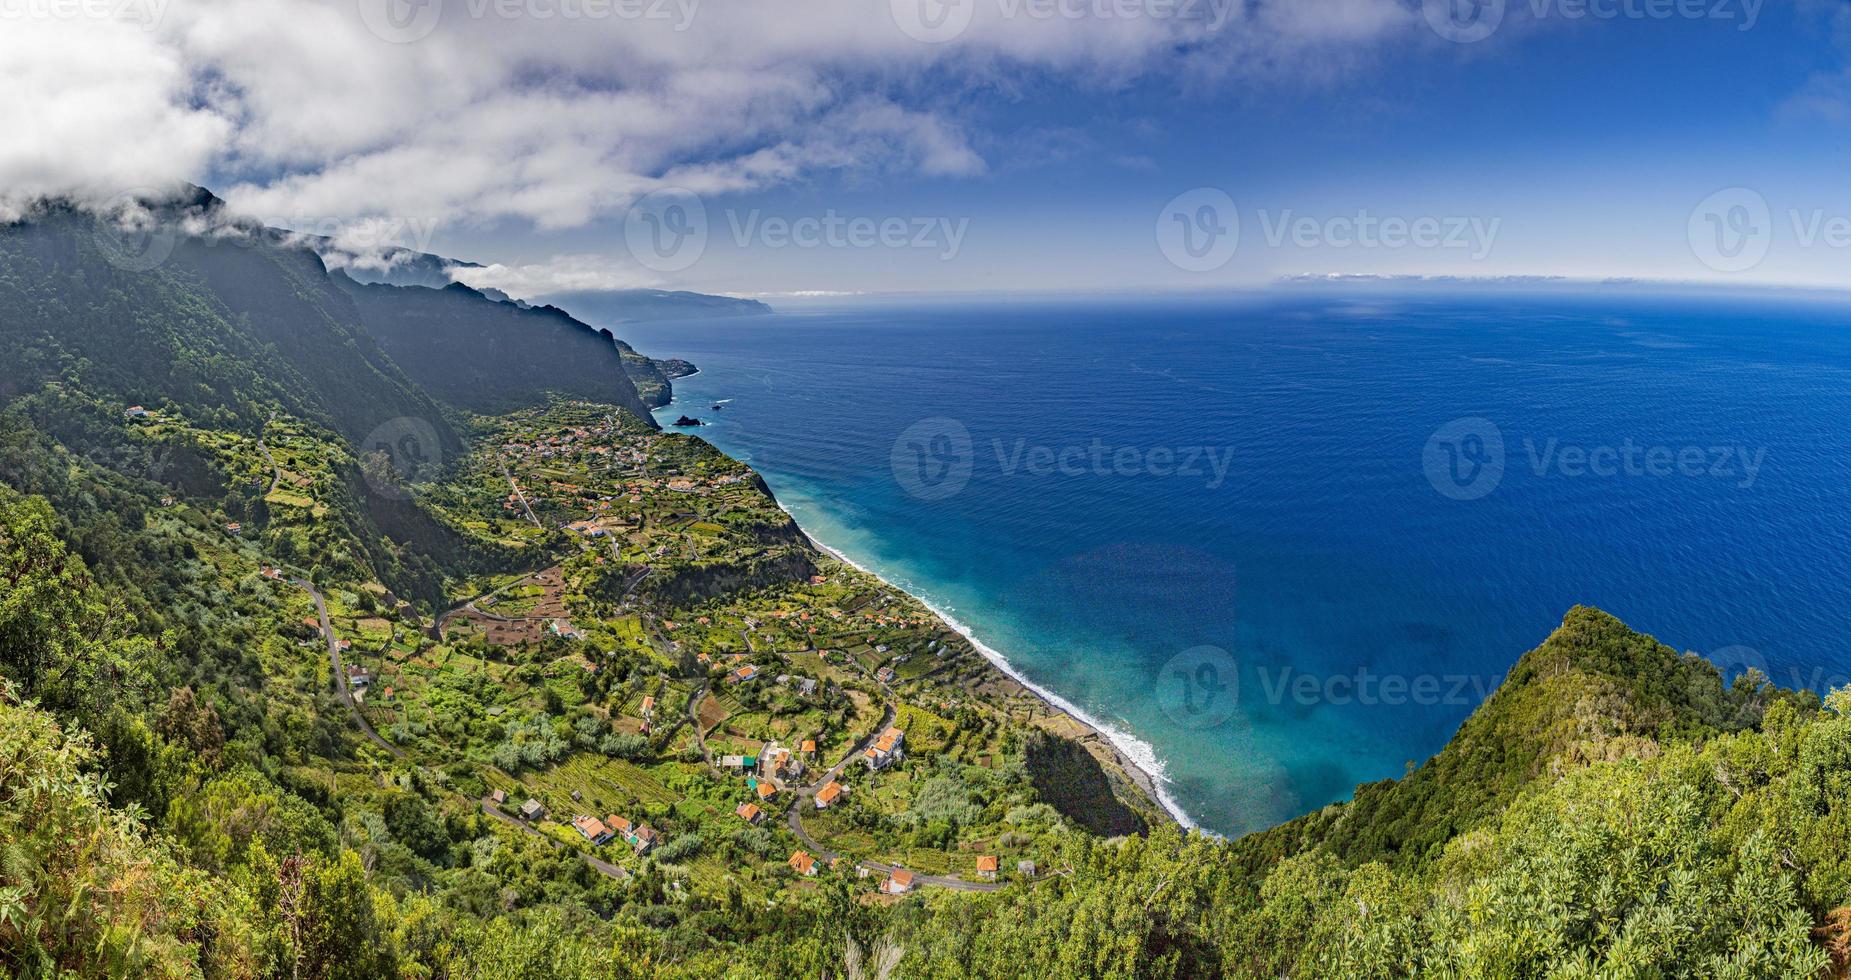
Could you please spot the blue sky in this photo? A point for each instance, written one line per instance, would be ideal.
(1343, 137)
(1587, 143)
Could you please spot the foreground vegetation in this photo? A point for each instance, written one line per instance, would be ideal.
(571, 608)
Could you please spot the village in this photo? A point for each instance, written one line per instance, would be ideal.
(771, 733)
(679, 686)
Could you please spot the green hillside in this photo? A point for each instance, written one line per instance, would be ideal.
(272, 701)
(490, 357)
(225, 325)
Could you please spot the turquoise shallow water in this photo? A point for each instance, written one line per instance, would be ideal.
(1284, 547)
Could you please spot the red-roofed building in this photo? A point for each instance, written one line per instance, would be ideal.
(828, 795)
(592, 829)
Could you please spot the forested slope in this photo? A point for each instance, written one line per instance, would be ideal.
(491, 357)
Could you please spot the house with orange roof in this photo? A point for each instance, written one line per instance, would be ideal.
(889, 748)
(802, 863)
(898, 883)
(828, 795)
(750, 813)
(766, 791)
(592, 829)
(986, 866)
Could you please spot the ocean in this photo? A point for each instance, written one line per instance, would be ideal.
(1282, 546)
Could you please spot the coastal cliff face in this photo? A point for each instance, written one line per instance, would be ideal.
(654, 379)
(491, 357)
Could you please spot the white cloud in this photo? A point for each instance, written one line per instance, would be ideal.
(95, 108)
(564, 274)
(570, 110)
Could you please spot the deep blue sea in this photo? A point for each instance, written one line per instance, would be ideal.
(1282, 547)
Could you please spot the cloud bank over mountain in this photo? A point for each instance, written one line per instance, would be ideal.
(557, 112)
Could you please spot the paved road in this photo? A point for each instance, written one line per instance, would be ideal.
(854, 753)
(605, 868)
(340, 670)
(276, 472)
(438, 623)
(523, 497)
(694, 720)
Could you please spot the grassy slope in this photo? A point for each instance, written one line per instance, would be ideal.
(1589, 692)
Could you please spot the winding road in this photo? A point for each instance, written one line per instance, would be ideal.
(603, 867)
(794, 818)
(340, 670)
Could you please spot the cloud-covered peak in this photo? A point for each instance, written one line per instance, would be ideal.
(559, 112)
